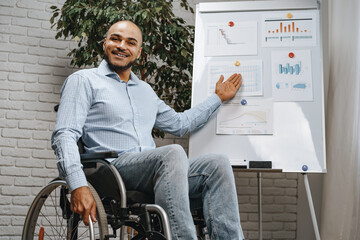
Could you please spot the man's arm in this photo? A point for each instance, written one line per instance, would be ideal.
(181, 123)
(74, 105)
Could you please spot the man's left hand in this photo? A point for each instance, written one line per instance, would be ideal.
(226, 90)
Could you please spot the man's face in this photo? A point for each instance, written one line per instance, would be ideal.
(122, 45)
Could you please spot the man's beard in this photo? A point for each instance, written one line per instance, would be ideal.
(118, 68)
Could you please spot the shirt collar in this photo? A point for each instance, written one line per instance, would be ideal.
(104, 69)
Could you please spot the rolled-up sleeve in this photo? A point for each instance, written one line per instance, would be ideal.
(180, 124)
(75, 102)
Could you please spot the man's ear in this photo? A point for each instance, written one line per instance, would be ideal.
(139, 53)
(104, 43)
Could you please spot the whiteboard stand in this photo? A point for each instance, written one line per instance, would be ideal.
(259, 172)
(311, 206)
(259, 205)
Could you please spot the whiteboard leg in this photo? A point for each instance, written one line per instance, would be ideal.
(260, 205)
(311, 205)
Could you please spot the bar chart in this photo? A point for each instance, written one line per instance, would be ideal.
(288, 69)
(279, 30)
(291, 27)
(291, 75)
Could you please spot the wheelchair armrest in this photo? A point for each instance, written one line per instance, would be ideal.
(98, 155)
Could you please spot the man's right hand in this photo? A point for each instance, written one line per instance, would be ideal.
(83, 203)
(226, 90)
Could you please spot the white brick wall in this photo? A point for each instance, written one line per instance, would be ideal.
(33, 66)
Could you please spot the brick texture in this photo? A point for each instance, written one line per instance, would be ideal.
(33, 66)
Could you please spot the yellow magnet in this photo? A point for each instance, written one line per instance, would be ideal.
(237, 63)
(289, 15)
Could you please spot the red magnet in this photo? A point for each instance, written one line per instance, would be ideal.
(231, 24)
(291, 55)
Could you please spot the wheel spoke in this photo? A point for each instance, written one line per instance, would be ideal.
(46, 213)
(51, 225)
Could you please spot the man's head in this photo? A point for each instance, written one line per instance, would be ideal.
(122, 45)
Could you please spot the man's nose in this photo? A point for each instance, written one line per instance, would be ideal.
(121, 44)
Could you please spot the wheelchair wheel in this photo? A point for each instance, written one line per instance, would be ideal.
(50, 217)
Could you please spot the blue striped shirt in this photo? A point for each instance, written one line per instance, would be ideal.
(111, 114)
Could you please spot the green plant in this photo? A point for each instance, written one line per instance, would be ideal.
(166, 60)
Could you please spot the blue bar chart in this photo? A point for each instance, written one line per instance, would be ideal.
(287, 69)
(291, 75)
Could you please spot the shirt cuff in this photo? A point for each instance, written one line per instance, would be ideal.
(76, 179)
(214, 101)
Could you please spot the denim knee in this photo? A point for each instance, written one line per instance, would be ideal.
(174, 155)
(220, 164)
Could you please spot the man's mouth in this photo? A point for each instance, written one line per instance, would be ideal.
(119, 54)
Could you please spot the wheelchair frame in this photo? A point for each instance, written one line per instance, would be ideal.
(140, 216)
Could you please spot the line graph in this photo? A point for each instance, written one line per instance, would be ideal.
(255, 118)
(225, 40)
(246, 118)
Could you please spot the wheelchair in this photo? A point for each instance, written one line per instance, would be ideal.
(131, 213)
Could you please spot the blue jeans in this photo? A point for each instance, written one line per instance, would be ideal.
(167, 173)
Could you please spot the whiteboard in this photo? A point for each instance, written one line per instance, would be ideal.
(289, 94)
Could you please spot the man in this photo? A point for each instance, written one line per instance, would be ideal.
(111, 109)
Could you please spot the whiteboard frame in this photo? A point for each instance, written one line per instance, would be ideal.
(245, 6)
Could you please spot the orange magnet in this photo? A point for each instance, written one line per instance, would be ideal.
(289, 15)
(291, 55)
(231, 24)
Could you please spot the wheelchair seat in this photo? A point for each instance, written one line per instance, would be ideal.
(100, 174)
(102, 179)
(118, 202)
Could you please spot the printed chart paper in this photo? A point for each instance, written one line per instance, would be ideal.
(225, 40)
(256, 117)
(291, 76)
(278, 30)
(251, 72)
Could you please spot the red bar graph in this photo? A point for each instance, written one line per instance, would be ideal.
(287, 28)
(286, 31)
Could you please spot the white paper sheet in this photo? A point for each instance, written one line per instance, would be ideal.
(280, 31)
(223, 40)
(291, 77)
(256, 117)
(251, 72)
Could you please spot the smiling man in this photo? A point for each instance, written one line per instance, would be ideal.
(111, 109)
(122, 46)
